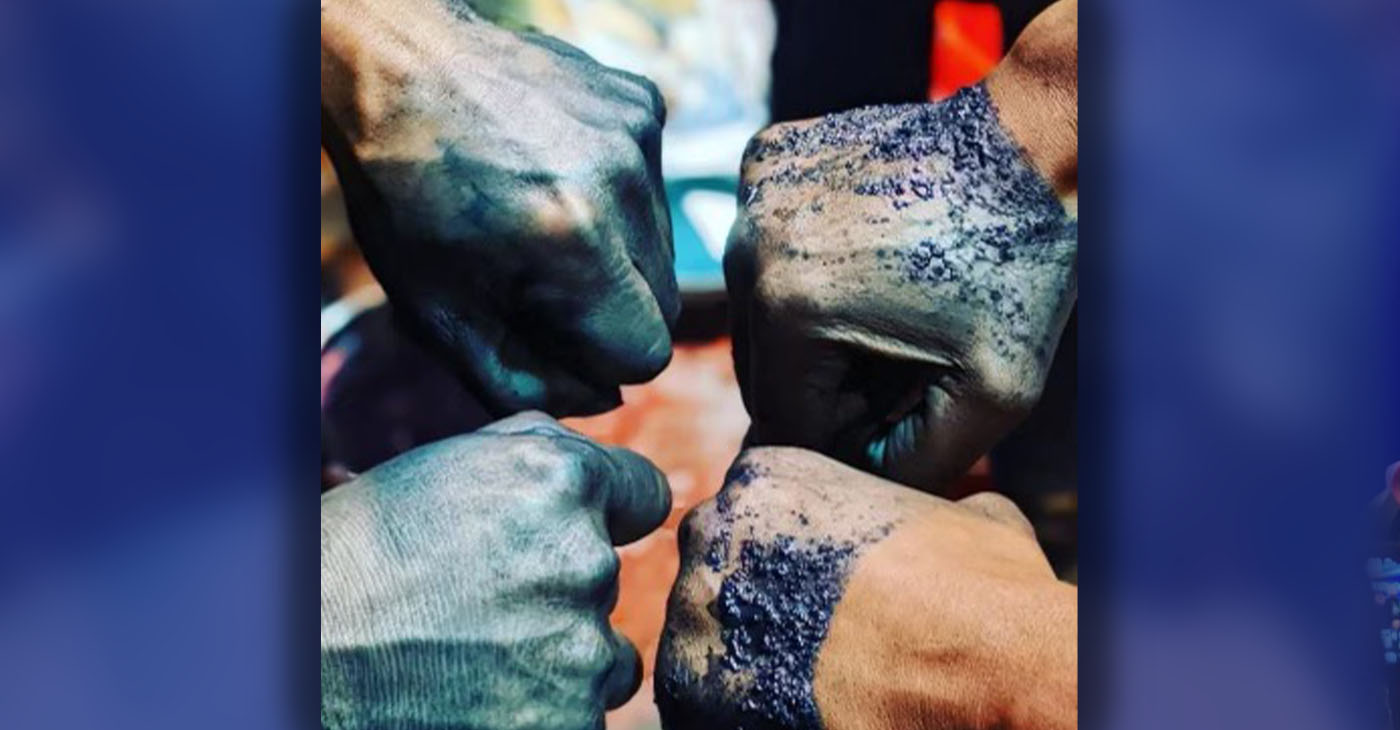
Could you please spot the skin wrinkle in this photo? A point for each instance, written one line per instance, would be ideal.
(811, 620)
(772, 607)
(910, 319)
(998, 209)
(566, 245)
(473, 577)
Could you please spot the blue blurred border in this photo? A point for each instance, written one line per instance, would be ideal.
(1239, 398)
(1240, 290)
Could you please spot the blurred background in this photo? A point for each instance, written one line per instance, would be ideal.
(726, 68)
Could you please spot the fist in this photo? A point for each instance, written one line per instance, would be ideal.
(506, 190)
(468, 583)
(900, 278)
(815, 596)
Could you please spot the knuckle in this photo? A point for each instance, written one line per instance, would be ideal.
(656, 101)
(641, 119)
(565, 212)
(587, 649)
(998, 508)
(695, 527)
(770, 466)
(649, 99)
(647, 361)
(765, 138)
(782, 296)
(772, 141)
(524, 422)
(759, 466)
(546, 463)
(1008, 381)
(592, 565)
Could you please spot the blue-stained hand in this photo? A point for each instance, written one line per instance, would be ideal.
(900, 276)
(468, 583)
(506, 190)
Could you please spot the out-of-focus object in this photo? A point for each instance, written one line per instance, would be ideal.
(343, 270)
(967, 38)
(382, 394)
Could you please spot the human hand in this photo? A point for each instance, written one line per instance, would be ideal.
(900, 277)
(468, 583)
(815, 596)
(506, 190)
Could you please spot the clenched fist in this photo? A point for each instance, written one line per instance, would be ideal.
(468, 583)
(815, 596)
(506, 190)
(900, 275)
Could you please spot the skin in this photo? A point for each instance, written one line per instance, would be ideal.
(468, 583)
(901, 275)
(506, 191)
(936, 614)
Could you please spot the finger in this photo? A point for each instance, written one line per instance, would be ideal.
(938, 441)
(642, 221)
(795, 386)
(624, 678)
(655, 258)
(622, 337)
(998, 508)
(511, 375)
(532, 422)
(593, 311)
(335, 474)
(635, 495)
(649, 94)
(739, 280)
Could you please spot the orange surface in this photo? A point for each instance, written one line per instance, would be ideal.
(690, 421)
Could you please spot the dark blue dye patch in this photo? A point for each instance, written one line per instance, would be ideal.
(774, 610)
(993, 209)
(740, 475)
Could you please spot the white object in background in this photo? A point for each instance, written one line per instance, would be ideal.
(711, 213)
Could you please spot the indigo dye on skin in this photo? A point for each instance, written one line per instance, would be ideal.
(774, 611)
(990, 209)
(952, 212)
(739, 475)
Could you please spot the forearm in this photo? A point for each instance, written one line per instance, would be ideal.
(1045, 665)
(375, 52)
(1036, 91)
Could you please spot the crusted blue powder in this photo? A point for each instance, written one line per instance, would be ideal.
(996, 209)
(740, 475)
(774, 610)
(989, 210)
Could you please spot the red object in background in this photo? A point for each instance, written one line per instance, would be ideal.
(967, 38)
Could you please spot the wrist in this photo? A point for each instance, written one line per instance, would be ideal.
(375, 52)
(1036, 92)
(1041, 662)
(989, 645)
